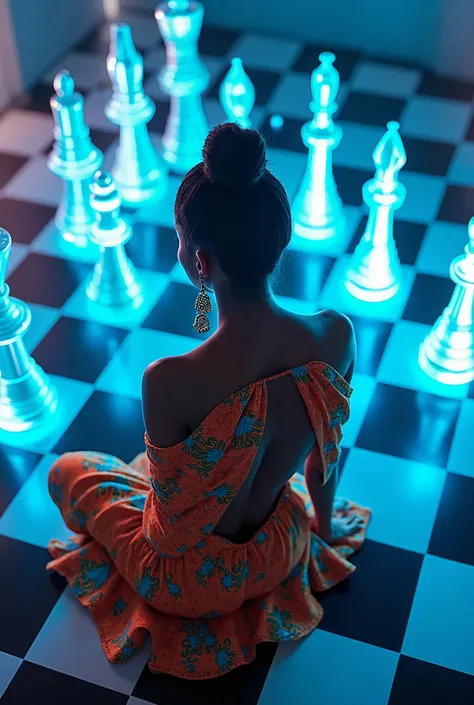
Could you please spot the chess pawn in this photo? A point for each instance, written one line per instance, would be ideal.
(113, 282)
(139, 172)
(317, 208)
(237, 94)
(374, 273)
(74, 158)
(447, 353)
(184, 78)
(27, 399)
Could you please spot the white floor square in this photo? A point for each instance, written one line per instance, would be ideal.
(441, 243)
(360, 401)
(94, 107)
(441, 625)
(313, 666)
(265, 52)
(288, 167)
(43, 319)
(50, 242)
(424, 196)
(385, 483)
(399, 364)
(25, 132)
(68, 642)
(357, 145)
(123, 374)
(72, 395)
(394, 81)
(33, 501)
(17, 255)
(80, 306)
(436, 118)
(292, 97)
(35, 182)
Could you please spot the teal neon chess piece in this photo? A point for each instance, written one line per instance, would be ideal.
(447, 353)
(317, 209)
(114, 282)
(74, 159)
(374, 272)
(139, 171)
(183, 78)
(237, 94)
(27, 398)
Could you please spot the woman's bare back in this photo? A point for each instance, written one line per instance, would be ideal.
(228, 362)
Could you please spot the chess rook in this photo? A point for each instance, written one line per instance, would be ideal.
(447, 353)
(184, 78)
(237, 95)
(113, 282)
(74, 159)
(374, 272)
(139, 171)
(27, 399)
(317, 208)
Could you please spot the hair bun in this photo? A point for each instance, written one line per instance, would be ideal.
(234, 157)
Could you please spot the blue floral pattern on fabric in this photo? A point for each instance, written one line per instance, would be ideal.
(165, 490)
(147, 585)
(91, 576)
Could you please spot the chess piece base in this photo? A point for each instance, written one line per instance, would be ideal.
(28, 402)
(325, 231)
(446, 368)
(115, 288)
(369, 294)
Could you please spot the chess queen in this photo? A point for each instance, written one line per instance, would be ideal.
(211, 541)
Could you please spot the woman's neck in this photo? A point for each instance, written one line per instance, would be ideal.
(249, 304)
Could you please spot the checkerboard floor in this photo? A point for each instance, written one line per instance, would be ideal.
(402, 628)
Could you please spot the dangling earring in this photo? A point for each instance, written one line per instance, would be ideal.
(203, 306)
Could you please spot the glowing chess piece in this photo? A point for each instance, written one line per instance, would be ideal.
(317, 208)
(27, 399)
(375, 272)
(139, 172)
(447, 353)
(113, 281)
(74, 159)
(184, 78)
(237, 94)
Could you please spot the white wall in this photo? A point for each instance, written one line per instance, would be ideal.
(436, 33)
(46, 29)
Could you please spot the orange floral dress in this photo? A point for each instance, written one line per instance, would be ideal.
(145, 558)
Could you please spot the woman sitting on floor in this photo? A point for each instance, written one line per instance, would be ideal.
(211, 541)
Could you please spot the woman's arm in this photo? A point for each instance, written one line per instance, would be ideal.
(322, 496)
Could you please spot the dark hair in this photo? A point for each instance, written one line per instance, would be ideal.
(232, 206)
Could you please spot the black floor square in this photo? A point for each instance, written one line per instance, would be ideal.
(408, 238)
(27, 595)
(371, 109)
(374, 604)
(264, 81)
(308, 60)
(301, 275)
(444, 87)
(97, 41)
(120, 431)
(153, 247)
(42, 279)
(23, 219)
(454, 527)
(235, 688)
(175, 312)
(420, 683)
(43, 686)
(372, 336)
(78, 349)
(470, 131)
(287, 137)
(428, 298)
(157, 123)
(349, 184)
(16, 467)
(428, 156)
(414, 415)
(216, 41)
(457, 205)
(9, 165)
